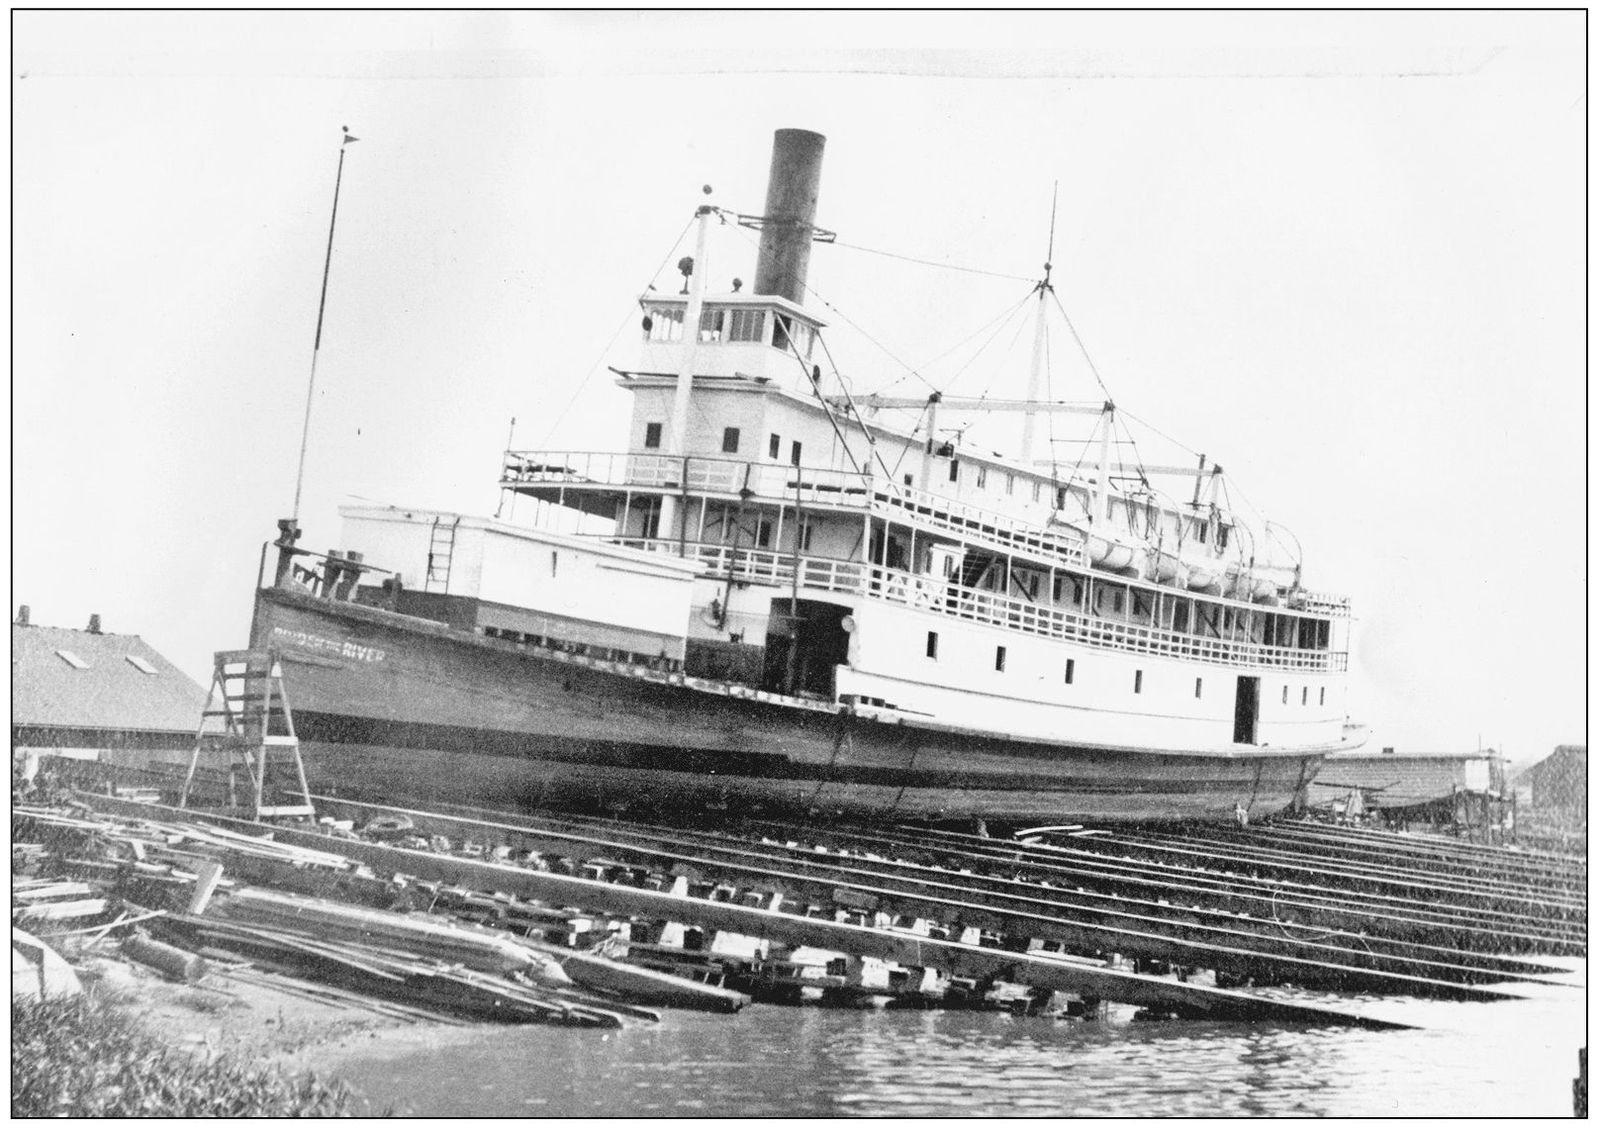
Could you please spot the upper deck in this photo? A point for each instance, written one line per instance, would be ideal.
(598, 482)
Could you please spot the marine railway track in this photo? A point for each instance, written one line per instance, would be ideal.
(1184, 921)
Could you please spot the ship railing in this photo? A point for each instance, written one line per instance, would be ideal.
(979, 524)
(1326, 604)
(813, 486)
(945, 596)
(818, 486)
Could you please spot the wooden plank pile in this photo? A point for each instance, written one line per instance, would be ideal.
(256, 907)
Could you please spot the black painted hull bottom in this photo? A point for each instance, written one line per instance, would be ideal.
(525, 784)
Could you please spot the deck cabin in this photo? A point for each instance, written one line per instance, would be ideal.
(820, 524)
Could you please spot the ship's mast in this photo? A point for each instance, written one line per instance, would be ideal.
(1037, 362)
(317, 340)
(679, 422)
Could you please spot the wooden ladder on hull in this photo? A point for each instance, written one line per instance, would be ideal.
(258, 735)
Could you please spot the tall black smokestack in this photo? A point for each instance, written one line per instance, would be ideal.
(787, 221)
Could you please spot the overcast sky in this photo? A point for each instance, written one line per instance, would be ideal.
(1342, 254)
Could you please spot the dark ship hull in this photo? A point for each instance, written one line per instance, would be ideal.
(403, 706)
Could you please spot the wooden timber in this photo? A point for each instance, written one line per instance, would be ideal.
(965, 959)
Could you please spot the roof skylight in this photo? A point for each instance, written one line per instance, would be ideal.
(73, 658)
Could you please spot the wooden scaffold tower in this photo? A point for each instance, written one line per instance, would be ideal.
(257, 735)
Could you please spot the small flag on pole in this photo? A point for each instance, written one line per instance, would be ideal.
(348, 138)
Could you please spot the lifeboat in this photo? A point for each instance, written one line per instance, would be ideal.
(1106, 554)
(1169, 569)
(1205, 579)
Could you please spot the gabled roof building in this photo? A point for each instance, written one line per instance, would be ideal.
(83, 692)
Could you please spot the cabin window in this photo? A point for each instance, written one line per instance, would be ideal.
(931, 646)
(781, 331)
(73, 659)
(795, 453)
(745, 325)
(1198, 687)
(1142, 606)
(144, 665)
(650, 520)
(1001, 657)
(764, 533)
(712, 325)
(979, 477)
(1010, 478)
(1062, 497)
(1117, 600)
(1284, 694)
(653, 435)
(1036, 492)
(1139, 678)
(1068, 671)
(952, 473)
(773, 446)
(1304, 695)
(553, 560)
(665, 324)
(906, 480)
(731, 439)
(806, 533)
(1321, 696)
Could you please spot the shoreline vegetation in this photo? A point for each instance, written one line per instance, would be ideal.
(87, 1056)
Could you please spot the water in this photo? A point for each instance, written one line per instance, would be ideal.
(1513, 1058)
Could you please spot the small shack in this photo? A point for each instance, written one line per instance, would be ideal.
(97, 695)
(1407, 786)
(1557, 782)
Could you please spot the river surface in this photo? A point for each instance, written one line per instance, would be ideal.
(1509, 1058)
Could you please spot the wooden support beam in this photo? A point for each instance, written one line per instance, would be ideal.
(960, 959)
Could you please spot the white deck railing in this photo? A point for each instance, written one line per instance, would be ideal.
(783, 483)
(941, 595)
(1013, 532)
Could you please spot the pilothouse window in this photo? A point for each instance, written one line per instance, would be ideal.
(665, 324)
(745, 325)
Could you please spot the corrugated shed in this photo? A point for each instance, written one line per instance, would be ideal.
(1558, 780)
(110, 691)
(1395, 781)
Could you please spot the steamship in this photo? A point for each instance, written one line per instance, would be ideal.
(794, 598)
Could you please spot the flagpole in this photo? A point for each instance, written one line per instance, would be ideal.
(317, 341)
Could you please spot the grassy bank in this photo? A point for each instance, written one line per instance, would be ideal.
(86, 1057)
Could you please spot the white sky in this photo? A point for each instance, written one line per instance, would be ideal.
(1342, 254)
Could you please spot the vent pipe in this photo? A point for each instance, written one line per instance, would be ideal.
(22, 615)
(786, 246)
(94, 623)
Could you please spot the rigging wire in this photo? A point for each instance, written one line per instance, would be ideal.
(1010, 347)
(986, 325)
(610, 342)
(1160, 432)
(932, 263)
(847, 319)
(1094, 372)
